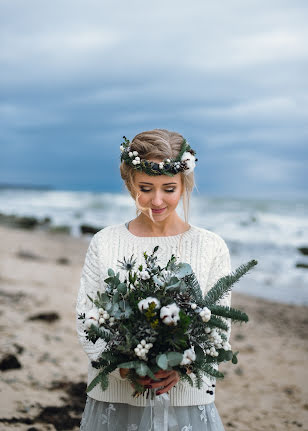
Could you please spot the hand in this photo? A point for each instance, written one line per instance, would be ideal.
(123, 372)
(168, 379)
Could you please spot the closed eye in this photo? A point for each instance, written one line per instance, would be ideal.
(148, 190)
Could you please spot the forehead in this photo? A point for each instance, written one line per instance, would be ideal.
(159, 180)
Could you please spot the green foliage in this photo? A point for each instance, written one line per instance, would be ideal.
(120, 299)
(224, 284)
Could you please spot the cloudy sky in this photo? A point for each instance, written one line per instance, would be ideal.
(230, 75)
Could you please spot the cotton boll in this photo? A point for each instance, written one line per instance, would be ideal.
(170, 314)
(92, 314)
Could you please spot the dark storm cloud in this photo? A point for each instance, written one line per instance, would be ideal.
(229, 76)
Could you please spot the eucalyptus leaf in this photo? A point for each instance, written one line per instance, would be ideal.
(131, 364)
(142, 369)
(162, 361)
(158, 281)
(122, 288)
(122, 305)
(108, 306)
(174, 358)
(128, 311)
(173, 283)
(183, 269)
(111, 272)
(116, 298)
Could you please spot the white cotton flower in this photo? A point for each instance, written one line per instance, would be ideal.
(130, 154)
(188, 356)
(135, 153)
(144, 303)
(168, 160)
(144, 274)
(92, 318)
(170, 314)
(92, 314)
(161, 165)
(190, 162)
(193, 306)
(134, 162)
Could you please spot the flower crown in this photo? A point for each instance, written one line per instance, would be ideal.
(184, 162)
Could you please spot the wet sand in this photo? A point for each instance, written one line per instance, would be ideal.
(44, 369)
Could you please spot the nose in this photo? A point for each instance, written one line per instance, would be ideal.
(157, 200)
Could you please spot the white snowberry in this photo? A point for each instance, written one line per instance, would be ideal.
(193, 306)
(130, 154)
(135, 153)
(205, 314)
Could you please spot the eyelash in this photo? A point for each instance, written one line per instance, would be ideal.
(147, 191)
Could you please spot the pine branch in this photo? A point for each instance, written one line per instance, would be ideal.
(235, 314)
(224, 284)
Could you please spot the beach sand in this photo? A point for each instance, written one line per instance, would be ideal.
(266, 390)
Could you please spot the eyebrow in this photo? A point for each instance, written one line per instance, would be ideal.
(166, 184)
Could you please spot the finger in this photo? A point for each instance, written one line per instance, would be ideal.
(144, 381)
(162, 373)
(163, 382)
(167, 388)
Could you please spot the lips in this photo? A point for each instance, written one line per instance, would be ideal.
(158, 211)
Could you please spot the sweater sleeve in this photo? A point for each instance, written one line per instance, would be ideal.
(221, 266)
(89, 285)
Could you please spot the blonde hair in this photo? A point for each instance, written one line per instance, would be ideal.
(157, 144)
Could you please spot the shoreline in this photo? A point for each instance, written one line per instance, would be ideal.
(40, 273)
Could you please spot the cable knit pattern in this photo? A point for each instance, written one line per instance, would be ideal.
(209, 257)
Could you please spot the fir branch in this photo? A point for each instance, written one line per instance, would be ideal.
(211, 372)
(233, 313)
(224, 285)
(188, 379)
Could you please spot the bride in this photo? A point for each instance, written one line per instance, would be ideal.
(157, 167)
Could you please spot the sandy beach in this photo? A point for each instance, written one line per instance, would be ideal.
(43, 368)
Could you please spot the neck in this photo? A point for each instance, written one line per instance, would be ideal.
(171, 225)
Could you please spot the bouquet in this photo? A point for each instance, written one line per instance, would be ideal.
(157, 319)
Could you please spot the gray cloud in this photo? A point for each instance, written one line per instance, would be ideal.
(230, 76)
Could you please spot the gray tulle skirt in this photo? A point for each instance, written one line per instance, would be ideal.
(105, 416)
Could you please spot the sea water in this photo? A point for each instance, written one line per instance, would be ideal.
(268, 231)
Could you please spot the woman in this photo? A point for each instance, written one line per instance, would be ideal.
(157, 168)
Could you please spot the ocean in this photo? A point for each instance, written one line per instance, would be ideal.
(268, 231)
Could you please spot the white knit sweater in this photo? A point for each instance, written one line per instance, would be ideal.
(209, 257)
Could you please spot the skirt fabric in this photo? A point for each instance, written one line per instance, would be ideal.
(105, 416)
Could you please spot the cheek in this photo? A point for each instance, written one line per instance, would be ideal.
(174, 198)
